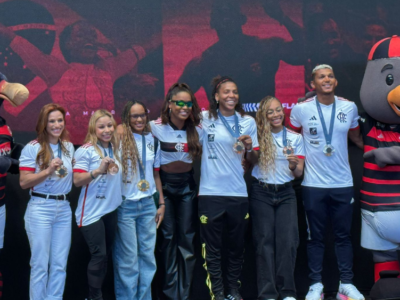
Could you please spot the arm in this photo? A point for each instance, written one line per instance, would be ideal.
(84, 178)
(161, 203)
(385, 156)
(296, 165)
(295, 119)
(29, 179)
(356, 137)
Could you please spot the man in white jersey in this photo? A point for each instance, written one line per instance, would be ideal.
(326, 120)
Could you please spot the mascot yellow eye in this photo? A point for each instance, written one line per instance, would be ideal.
(389, 79)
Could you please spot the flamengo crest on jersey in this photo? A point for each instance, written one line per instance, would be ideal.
(53, 184)
(103, 194)
(320, 170)
(219, 161)
(281, 174)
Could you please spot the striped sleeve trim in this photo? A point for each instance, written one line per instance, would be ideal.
(79, 171)
(27, 169)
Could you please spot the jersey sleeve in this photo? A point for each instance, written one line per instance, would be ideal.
(157, 158)
(295, 118)
(27, 160)
(199, 129)
(253, 134)
(355, 117)
(366, 123)
(154, 128)
(82, 160)
(299, 150)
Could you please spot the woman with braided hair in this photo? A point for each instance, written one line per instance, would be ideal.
(177, 131)
(273, 209)
(138, 216)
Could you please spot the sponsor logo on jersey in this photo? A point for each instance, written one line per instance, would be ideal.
(211, 126)
(313, 131)
(313, 118)
(150, 146)
(342, 117)
(179, 136)
(180, 147)
(211, 137)
(203, 219)
(314, 142)
(240, 129)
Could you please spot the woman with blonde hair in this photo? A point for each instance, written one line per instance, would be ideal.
(46, 168)
(98, 170)
(273, 208)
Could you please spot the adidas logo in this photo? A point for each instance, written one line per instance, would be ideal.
(380, 136)
(212, 126)
(313, 118)
(179, 136)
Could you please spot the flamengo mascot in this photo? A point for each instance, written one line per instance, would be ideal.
(380, 127)
(16, 94)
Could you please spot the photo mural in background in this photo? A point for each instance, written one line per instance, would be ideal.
(95, 54)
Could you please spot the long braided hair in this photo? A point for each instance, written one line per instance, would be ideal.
(191, 122)
(128, 143)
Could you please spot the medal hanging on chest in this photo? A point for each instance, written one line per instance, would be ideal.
(328, 148)
(61, 171)
(287, 149)
(238, 146)
(143, 185)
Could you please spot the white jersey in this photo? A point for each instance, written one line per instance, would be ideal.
(53, 184)
(130, 189)
(221, 167)
(173, 142)
(320, 170)
(281, 173)
(103, 194)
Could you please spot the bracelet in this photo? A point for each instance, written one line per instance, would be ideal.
(161, 204)
(249, 150)
(91, 175)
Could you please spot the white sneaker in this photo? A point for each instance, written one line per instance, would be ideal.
(315, 292)
(289, 298)
(347, 291)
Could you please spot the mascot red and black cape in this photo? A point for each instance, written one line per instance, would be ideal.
(16, 94)
(380, 127)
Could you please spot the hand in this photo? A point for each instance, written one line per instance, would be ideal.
(377, 156)
(160, 215)
(247, 141)
(53, 166)
(102, 169)
(293, 161)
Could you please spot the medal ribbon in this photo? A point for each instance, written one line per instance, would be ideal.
(235, 133)
(328, 136)
(284, 135)
(110, 151)
(59, 151)
(142, 166)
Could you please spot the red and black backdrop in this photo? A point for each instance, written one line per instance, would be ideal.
(79, 54)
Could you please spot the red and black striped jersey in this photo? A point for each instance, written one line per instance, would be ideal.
(380, 190)
(6, 144)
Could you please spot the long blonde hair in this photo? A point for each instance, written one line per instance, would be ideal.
(91, 136)
(265, 139)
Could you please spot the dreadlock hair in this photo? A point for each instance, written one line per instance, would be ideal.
(265, 139)
(44, 155)
(191, 122)
(128, 143)
(92, 138)
(216, 83)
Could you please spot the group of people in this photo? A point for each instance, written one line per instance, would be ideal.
(138, 176)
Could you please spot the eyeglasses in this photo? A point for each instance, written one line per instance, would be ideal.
(182, 103)
(135, 117)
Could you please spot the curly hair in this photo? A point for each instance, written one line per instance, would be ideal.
(44, 155)
(128, 143)
(265, 139)
(91, 136)
(191, 122)
(216, 83)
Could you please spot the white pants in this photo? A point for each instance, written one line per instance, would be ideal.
(380, 230)
(48, 225)
(2, 224)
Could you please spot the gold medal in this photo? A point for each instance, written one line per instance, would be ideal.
(143, 185)
(238, 147)
(113, 168)
(288, 150)
(61, 171)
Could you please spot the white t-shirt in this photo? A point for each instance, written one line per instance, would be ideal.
(221, 167)
(130, 190)
(321, 170)
(53, 184)
(281, 174)
(173, 142)
(103, 194)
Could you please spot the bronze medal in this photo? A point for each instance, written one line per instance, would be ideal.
(113, 168)
(61, 171)
(238, 147)
(288, 151)
(143, 185)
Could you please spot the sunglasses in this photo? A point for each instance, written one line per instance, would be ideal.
(182, 103)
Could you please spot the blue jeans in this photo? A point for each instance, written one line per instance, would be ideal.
(48, 226)
(133, 255)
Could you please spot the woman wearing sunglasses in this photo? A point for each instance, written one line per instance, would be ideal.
(179, 144)
(228, 136)
(273, 208)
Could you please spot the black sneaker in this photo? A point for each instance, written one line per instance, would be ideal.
(219, 296)
(234, 295)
